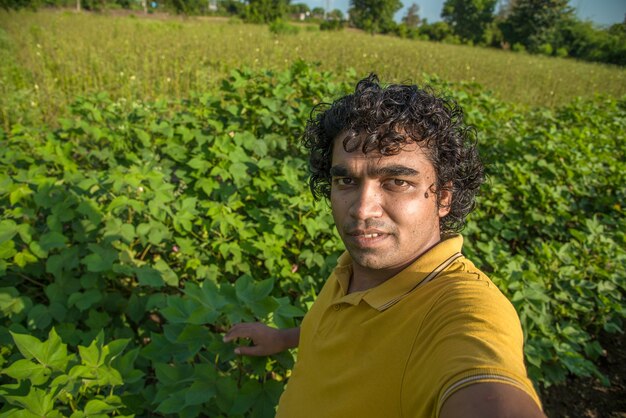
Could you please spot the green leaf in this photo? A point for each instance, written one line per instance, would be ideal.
(36, 249)
(19, 193)
(8, 229)
(100, 260)
(26, 232)
(29, 346)
(249, 290)
(167, 273)
(173, 404)
(39, 316)
(51, 353)
(23, 258)
(93, 355)
(208, 295)
(7, 250)
(96, 406)
(115, 349)
(37, 402)
(85, 300)
(38, 374)
(52, 240)
(201, 391)
(147, 276)
(10, 301)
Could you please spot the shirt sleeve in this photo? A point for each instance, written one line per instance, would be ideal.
(474, 335)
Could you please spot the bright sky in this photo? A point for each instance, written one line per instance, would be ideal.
(602, 12)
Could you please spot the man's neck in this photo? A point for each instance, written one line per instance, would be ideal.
(364, 278)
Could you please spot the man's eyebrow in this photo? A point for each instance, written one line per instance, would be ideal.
(393, 171)
(338, 171)
(385, 171)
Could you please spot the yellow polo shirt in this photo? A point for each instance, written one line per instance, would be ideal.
(402, 348)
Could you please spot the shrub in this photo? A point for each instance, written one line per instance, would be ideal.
(280, 27)
(332, 25)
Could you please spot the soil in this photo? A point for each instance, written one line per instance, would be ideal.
(587, 397)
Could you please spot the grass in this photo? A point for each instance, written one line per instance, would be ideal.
(49, 57)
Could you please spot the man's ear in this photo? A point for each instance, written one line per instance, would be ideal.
(445, 199)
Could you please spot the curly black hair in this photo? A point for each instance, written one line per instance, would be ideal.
(386, 119)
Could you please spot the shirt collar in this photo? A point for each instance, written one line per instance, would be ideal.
(386, 294)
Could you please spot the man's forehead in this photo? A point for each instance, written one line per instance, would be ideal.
(407, 152)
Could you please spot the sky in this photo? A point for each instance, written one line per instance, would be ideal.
(601, 12)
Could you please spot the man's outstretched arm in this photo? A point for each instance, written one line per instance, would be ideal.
(490, 400)
(265, 340)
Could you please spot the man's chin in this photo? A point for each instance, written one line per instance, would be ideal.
(370, 259)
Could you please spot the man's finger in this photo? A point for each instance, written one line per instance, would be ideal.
(250, 351)
(238, 331)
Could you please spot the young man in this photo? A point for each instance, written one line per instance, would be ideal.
(405, 326)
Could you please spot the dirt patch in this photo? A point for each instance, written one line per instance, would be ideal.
(587, 397)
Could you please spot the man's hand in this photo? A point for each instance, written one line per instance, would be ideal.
(265, 340)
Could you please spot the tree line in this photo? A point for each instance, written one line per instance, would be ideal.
(548, 27)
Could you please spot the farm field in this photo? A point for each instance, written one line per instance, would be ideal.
(50, 57)
(153, 192)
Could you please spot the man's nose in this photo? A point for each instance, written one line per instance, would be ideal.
(367, 202)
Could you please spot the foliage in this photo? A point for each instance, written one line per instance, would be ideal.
(265, 11)
(533, 23)
(332, 24)
(438, 31)
(374, 16)
(162, 227)
(335, 14)
(55, 383)
(298, 8)
(134, 233)
(280, 27)
(555, 205)
(469, 19)
(582, 40)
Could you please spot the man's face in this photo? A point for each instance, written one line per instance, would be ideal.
(384, 207)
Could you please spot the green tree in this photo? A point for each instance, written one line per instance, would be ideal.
(412, 17)
(265, 11)
(374, 16)
(335, 14)
(299, 8)
(535, 23)
(583, 40)
(318, 12)
(437, 31)
(469, 19)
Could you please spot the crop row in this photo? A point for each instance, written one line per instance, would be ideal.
(134, 233)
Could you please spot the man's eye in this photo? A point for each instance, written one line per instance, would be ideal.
(344, 181)
(397, 184)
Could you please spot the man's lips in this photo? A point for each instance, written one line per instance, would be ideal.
(369, 233)
(366, 237)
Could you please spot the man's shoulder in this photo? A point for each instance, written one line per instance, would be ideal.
(464, 276)
(464, 287)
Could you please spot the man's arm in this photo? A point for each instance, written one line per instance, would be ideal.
(490, 400)
(265, 340)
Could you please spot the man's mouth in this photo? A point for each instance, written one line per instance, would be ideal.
(366, 238)
(361, 233)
